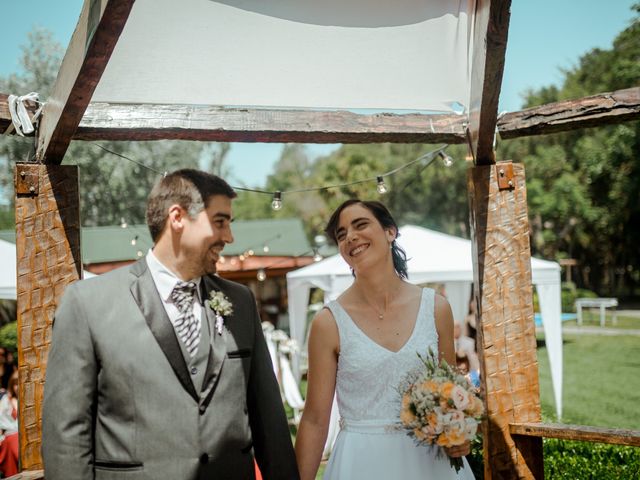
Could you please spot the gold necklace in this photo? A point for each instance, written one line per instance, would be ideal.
(380, 314)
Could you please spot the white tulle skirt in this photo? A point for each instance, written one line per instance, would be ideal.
(370, 452)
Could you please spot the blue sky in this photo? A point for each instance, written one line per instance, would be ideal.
(545, 36)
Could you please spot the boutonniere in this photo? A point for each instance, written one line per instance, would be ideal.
(221, 306)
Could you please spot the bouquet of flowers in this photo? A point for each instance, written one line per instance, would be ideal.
(440, 406)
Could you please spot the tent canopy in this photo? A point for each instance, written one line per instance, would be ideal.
(434, 258)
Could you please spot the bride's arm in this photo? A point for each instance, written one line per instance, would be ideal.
(446, 349)
(324, 345)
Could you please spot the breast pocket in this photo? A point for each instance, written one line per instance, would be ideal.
(240, 353)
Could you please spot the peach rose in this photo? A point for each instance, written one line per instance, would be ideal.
(460, 397)
(406, 414)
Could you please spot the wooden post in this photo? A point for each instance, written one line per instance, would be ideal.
(506, 332)
(48, 259)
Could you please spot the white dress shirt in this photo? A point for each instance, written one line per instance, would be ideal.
(165, 281)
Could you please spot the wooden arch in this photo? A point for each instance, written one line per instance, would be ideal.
(48, 221)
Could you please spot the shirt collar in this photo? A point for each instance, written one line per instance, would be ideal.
(165, 279)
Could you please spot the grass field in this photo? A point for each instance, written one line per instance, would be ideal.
(601, 384)
(591, 318)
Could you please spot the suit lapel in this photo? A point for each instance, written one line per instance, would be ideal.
(146, 296)
(218, 349)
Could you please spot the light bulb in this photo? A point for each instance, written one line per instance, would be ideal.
(261, 275)
(241, 257)
(316, 256)
(382, 187)
(222, 259)
(123, 222)
(446, 159)
(134, 240)
(265, 249)
(276, 204)
(250, 253)
(140, 253)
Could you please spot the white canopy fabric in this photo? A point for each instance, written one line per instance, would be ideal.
(434, 258)
(356, 54)
(8, 272)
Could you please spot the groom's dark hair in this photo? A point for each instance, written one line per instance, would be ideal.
(191, 189)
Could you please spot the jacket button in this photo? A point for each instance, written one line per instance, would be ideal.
(204, 458)
(202, 409)
(194, 370)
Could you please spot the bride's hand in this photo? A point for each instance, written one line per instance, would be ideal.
(459, 450)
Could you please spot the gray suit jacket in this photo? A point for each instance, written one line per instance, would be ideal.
(119, 401)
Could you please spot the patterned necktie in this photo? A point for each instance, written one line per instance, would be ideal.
(187, 326)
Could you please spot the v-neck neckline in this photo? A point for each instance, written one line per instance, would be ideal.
(367, 337)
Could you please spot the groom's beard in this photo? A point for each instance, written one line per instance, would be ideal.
(209, 263)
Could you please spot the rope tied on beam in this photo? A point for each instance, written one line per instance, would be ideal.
(21, 122)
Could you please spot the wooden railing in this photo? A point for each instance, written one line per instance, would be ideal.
(577, 433)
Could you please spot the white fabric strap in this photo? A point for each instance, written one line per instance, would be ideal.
(20, 119)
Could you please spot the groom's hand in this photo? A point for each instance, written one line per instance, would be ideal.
(459, 450)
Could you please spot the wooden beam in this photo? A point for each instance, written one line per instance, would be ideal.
(47, 260)
(5, 116)
(93, 41)
(578, 433)
(596, 110)
(506, 330)
(104, 121)
(192, 122)
(490, 31)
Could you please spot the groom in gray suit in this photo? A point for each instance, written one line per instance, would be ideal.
(160, 370)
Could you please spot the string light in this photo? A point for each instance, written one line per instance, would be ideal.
(140, 253)
(316, 255)
(222, 259)
(265, 249)
(276, 203)
(382, 187)
(446, 159)
(123, 222)
(261, 275)
(134, 240)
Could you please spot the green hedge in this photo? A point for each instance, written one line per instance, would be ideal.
(570, 460)
(564, 460)
(570, 293)
(9, 336)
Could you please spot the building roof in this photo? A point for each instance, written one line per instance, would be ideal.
(272, 237)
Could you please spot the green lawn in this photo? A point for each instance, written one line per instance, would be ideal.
(591, 318)
(601, 384)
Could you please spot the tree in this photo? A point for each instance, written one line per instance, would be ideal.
(111, 186)
(584, 186)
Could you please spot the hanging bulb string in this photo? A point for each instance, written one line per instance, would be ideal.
(429, 156)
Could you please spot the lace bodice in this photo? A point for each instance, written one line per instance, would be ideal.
(369, 374)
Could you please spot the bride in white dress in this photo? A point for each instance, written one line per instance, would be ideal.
(361, 347)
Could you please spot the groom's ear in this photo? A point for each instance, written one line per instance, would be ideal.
(175, 218)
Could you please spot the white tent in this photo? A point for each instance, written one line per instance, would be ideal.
(434, 258)
(8, 272)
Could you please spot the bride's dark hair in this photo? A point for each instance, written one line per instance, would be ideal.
(385, 219)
